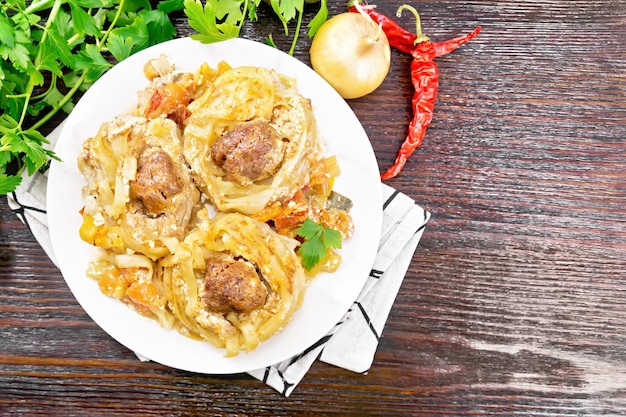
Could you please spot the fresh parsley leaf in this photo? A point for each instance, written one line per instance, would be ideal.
(7, 123)
(9, 183)
(120, 47)
(252, 7)
(206, 22)
(36, 155)
(56, 43)
(159, 26)
(308, 229)
(49, 61)
(7, 36)
(137, 32)
(230, 11)
(136, 5)
(18, 55)
(13, 142)
(270, 41)
(169, 6)
(317, 241)
(84, 23)
(91, 62)
(319, 19)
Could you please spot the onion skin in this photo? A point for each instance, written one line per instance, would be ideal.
(352, 54)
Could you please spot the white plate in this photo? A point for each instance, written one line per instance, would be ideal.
(327, 298)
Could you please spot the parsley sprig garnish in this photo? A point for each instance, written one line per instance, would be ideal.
(218, 20)
(318, 240)
(52, 49)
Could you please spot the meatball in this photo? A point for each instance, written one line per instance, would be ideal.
(233, 285)
(157, 181)
(251, 151)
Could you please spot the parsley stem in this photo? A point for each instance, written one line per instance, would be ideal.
(66, 98)
(37, 6)
(30, 87)
(243, 14)
(297, 32)
(74, 38)
(104, 38)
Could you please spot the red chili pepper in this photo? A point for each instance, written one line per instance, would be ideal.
(424, 75)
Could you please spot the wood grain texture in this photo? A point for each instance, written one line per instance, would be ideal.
(515, 302)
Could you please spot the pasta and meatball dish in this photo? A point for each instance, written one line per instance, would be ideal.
(194, 198)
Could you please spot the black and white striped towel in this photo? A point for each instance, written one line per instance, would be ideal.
(352, 343)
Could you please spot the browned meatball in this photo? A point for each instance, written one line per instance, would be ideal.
(156, 182)
(251, 151)
(233, 285)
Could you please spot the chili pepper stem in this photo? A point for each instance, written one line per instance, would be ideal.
(420, 37)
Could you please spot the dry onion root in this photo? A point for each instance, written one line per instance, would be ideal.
(352, 53)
